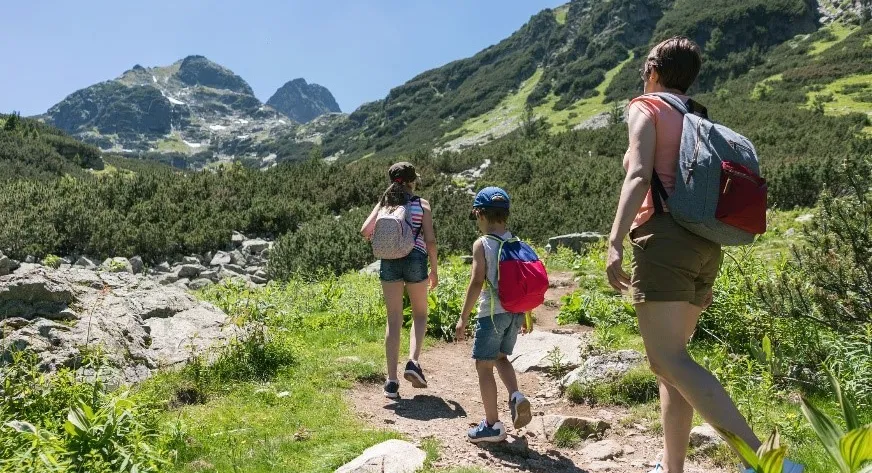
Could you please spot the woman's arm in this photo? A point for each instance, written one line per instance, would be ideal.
(430, 239)
(369, 224)
(640, 166)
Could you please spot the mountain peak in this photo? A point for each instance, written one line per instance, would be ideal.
(197, 70)
(303, 102)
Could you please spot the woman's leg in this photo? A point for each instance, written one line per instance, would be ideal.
(393, 293)
(418, 298)
(676, 414)
(664, 328)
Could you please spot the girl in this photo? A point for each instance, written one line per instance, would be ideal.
(409, 273)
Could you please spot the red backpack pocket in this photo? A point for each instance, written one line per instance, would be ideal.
(522, 280)
(742, 198)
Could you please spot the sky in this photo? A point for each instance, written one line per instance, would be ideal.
(357, 49)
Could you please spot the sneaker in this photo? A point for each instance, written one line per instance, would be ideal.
(392, 389)
(487, 433)
(415, 375)
(658, 468)
(789, 467)
(520, 409)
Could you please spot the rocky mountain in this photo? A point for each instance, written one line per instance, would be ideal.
(192, 106)
(303, 102)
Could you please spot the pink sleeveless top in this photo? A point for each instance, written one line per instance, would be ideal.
(668, 124)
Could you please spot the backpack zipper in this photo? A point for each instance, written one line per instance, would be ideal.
(695, 152)
(736, 146)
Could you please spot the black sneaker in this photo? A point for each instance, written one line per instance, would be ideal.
(415, 375)
(392, 389)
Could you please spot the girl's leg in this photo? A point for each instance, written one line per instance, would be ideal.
(676, 414)
(393, 293)
(418, 298)
(664, 328)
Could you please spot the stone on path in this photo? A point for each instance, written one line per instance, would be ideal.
(372, 269)
(604, 367)
(531, 351)
(704, 438)
(586, 427)
(603, 450)
(393, 456)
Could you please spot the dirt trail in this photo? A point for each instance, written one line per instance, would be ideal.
(451, 404)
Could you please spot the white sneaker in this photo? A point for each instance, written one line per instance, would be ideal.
(657, 469)
(789, 467)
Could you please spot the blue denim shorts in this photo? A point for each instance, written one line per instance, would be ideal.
(496, 336)
(411, 269)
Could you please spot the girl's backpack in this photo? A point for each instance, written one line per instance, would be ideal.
(393, 236)
(719, 194)
(521, 277)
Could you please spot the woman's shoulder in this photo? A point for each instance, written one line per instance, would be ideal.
(425, 204)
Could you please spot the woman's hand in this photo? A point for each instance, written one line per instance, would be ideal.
(618, 278)
(434, 279)
(460, 331)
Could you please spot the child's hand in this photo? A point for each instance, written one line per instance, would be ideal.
(460, 331)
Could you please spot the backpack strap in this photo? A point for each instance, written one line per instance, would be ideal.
(658, 193)
(690, 106)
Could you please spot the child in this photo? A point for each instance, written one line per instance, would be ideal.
(497, 330)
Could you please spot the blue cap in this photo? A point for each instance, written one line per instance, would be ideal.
(491, 197)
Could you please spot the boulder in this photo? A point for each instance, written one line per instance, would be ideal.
(257, 279)
(705, 438)
(603, 450)
(210, 274)
(602, 368)
(574, 241)
(30, 259)
(117, 265)
(162, 267)
(7, 265)
(393, 456)
(85, 262)
(237, 239)
(199, 283)
(189, 271)
(191, 260)
(140, 325)
(372, 269)
(136, 265)
(168, 278)
(220, 258)
(262, 274)
(586, 427)
(237, 258)
(531, 352)
(253, 247)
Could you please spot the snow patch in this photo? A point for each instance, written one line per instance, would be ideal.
(175, 101)
(217, 127)
(241, 121)
(193, 145)
(243, 137)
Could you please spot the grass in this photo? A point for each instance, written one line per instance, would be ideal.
(173, 143)
(851, 94)
(560, 14)
(637, 386)
(839, 32)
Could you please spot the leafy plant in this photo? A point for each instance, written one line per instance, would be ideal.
(556, 367)
(769, 458)
(52, 261)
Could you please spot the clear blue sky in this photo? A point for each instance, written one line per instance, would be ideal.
(357, 49)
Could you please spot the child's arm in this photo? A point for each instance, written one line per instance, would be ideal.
(476, 282)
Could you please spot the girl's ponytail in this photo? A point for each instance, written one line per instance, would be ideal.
(395, 195)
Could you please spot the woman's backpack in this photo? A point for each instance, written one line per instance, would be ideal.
(393, 236)
(719, 194)
(521, 277)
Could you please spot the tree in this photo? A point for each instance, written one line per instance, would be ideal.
(13, 121)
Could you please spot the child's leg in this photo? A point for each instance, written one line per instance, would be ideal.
(507, 373)
(393, 293)
(488, 386)
(418, 298)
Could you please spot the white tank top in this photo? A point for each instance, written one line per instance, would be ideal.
(489, 291)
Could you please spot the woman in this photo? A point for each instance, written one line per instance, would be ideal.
(409, 273)
(673, 269)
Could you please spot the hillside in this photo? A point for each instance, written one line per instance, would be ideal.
(191, 107)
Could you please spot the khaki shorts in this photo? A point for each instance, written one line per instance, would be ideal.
(672, 264)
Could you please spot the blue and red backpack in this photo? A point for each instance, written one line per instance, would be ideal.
(521, 277)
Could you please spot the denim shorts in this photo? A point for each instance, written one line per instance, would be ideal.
(496, 336)
(411, 269)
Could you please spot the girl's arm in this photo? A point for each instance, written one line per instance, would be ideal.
(430, 239)
(640, 167)
(369, 224)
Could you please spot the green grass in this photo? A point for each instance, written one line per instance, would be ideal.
(173, 143)
(852, 94)
(840, 31)
(560, 14)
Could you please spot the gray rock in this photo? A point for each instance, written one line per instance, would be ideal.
(372, 269)
(266, 252)
(790, 232)
(257, 279)
(805, 218)
(531, 352)
(705, 438)
(30, 259)
(210, 275)
(182, 283)
(7, 265)
(168, 278)
(237, 258)
(236, 239)
(251, 269)
(466, 259)
(606, 367)
(392, 456)
(220, 258)
(574, 241)
(85, 262)
(254, 246)
(603, 450)
(136, 264)
(189, 271)
(162, 267)
(262, 274)
(586, 427)
(117, 265)
(200, 283)
(234, 269)
(191, 260)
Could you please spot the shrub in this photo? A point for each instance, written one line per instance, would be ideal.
(595, 309)
(637, 386)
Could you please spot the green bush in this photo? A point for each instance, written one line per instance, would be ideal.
(637, 386)
(594, 308)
